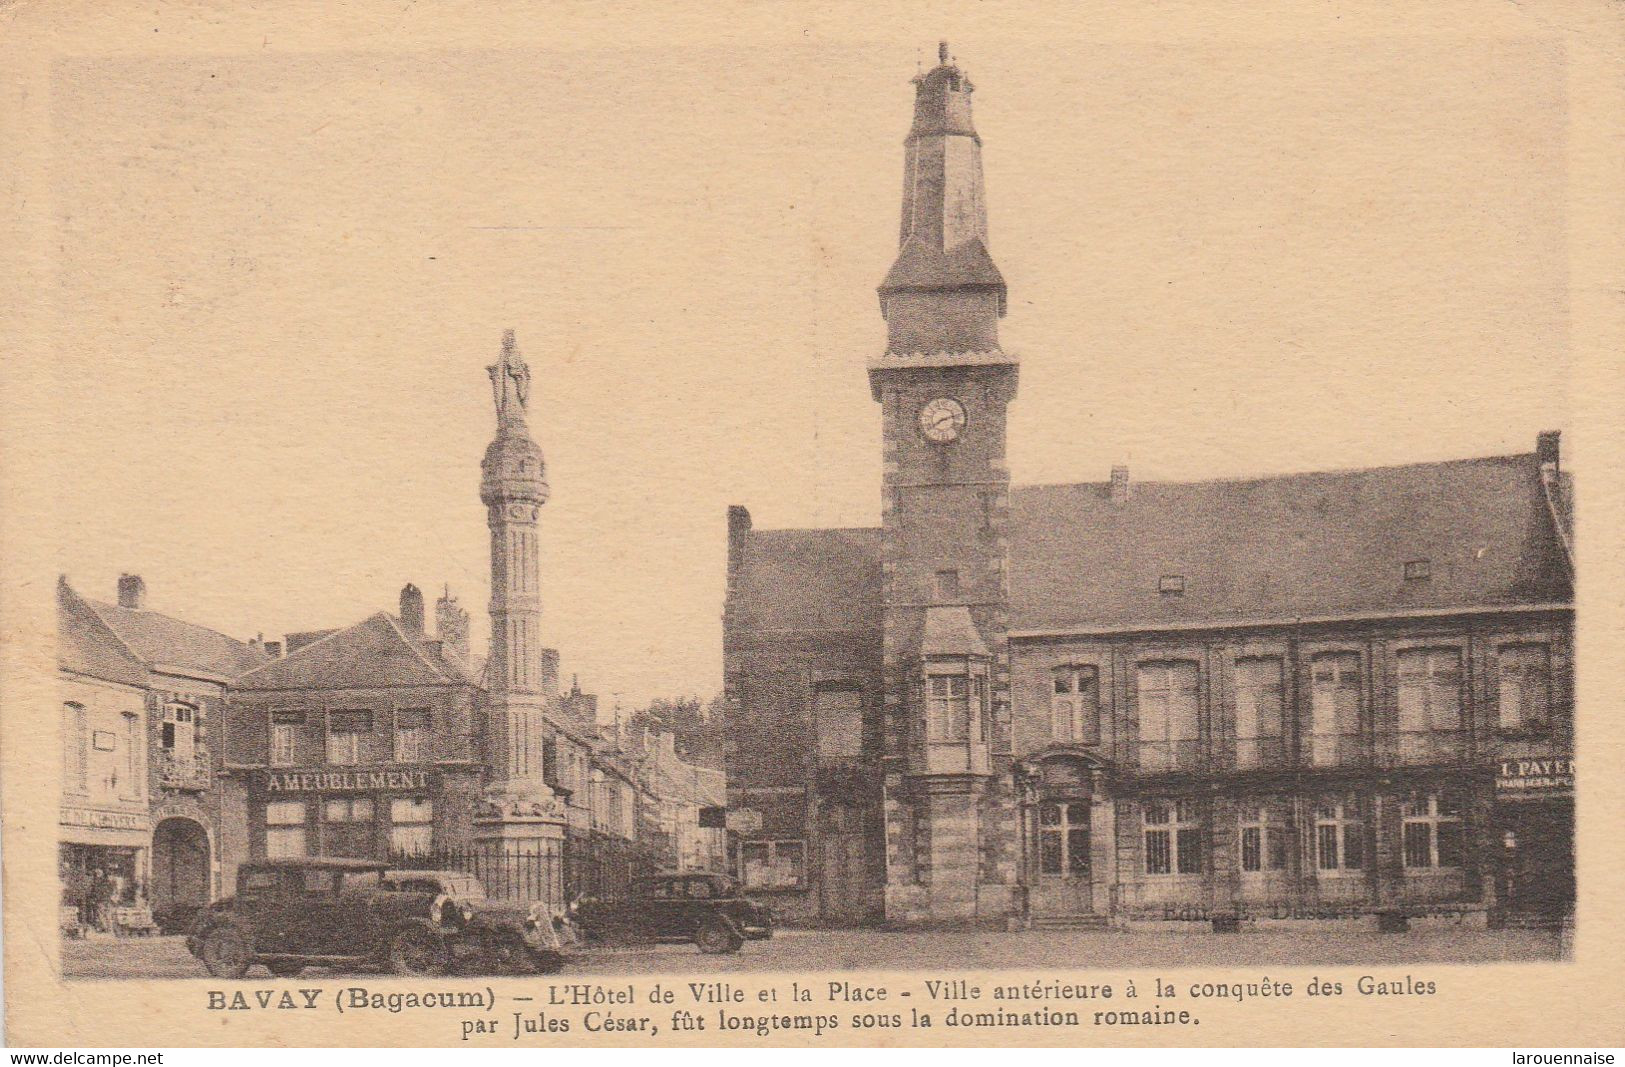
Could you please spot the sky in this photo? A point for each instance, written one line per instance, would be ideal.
(280, 277)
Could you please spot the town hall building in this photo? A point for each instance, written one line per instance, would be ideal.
(1332, 696)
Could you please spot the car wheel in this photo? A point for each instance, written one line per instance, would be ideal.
(284, 969)
(717, 939)
(547, 962)
(415, 951)
(225, 952)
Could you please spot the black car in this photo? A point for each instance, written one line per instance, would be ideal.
(289, 914)
(707, 909)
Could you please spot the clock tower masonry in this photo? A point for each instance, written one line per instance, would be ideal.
(944, 384)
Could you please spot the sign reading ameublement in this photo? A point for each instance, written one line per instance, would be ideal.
(384, 779)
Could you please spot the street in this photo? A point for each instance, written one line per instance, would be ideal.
(841, 950)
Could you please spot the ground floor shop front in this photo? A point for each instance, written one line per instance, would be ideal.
(103, 867)
(384, 813)
(1346, 847)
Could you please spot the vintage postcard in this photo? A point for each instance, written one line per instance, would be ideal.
(521, 531)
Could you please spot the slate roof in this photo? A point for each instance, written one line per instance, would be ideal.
(161, 639)
(809, 580)
(86, 645)
(1286, 546)
(1294, 545)
(374, 653)
(921, 267)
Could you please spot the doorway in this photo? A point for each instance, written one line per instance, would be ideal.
(843, 872)
(1537, 859)
(180, 868)
(1065, 868)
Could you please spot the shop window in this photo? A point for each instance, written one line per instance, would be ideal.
(1339, 835)
(1433, 829)
(838, 719)
(1524, 688)
(75, 748)
(1075, 705)
(1173, 837)
(285, 832)
(347, 809)
(285, 726)
(1263, 838)
(348, 829)
(411, 734)
(1169, 727)
(411, 829)
(1063, 838)
(1258, 711)
(772, 864)
(1334, 708)
(345, 733)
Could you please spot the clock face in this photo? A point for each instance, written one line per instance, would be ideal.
(942, 419)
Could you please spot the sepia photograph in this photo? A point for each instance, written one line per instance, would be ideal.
(555, 510)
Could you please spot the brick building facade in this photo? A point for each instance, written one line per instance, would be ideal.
(1317, 696)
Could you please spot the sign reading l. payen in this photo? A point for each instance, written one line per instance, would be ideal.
(1534, 776)
(396, 779)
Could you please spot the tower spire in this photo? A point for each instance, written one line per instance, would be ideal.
(943, 293)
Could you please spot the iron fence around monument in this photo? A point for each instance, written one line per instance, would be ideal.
(506, 874)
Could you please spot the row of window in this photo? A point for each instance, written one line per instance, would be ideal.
(348, 826)
(108, 760)
(1175, 836)
(180, 745)
(1429, 698)
(347, 734)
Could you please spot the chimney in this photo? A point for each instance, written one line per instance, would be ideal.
(273, 648)
(1546, 450)
(1120, 485)
(412, 609)
(132, 591)
(550, 672)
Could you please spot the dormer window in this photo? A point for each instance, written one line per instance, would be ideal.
(1171, 585)
(1417, 569)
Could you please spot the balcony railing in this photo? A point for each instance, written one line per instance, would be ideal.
(192, 773)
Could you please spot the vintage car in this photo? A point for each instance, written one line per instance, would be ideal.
(707, 909)
(289, 914)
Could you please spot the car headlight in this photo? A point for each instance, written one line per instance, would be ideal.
(448, 912)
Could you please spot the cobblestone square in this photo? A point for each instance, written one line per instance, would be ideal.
(843, 950)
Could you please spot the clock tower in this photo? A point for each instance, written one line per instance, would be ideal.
(944, 384)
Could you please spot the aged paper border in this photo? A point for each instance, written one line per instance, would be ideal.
(1563, 1004)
